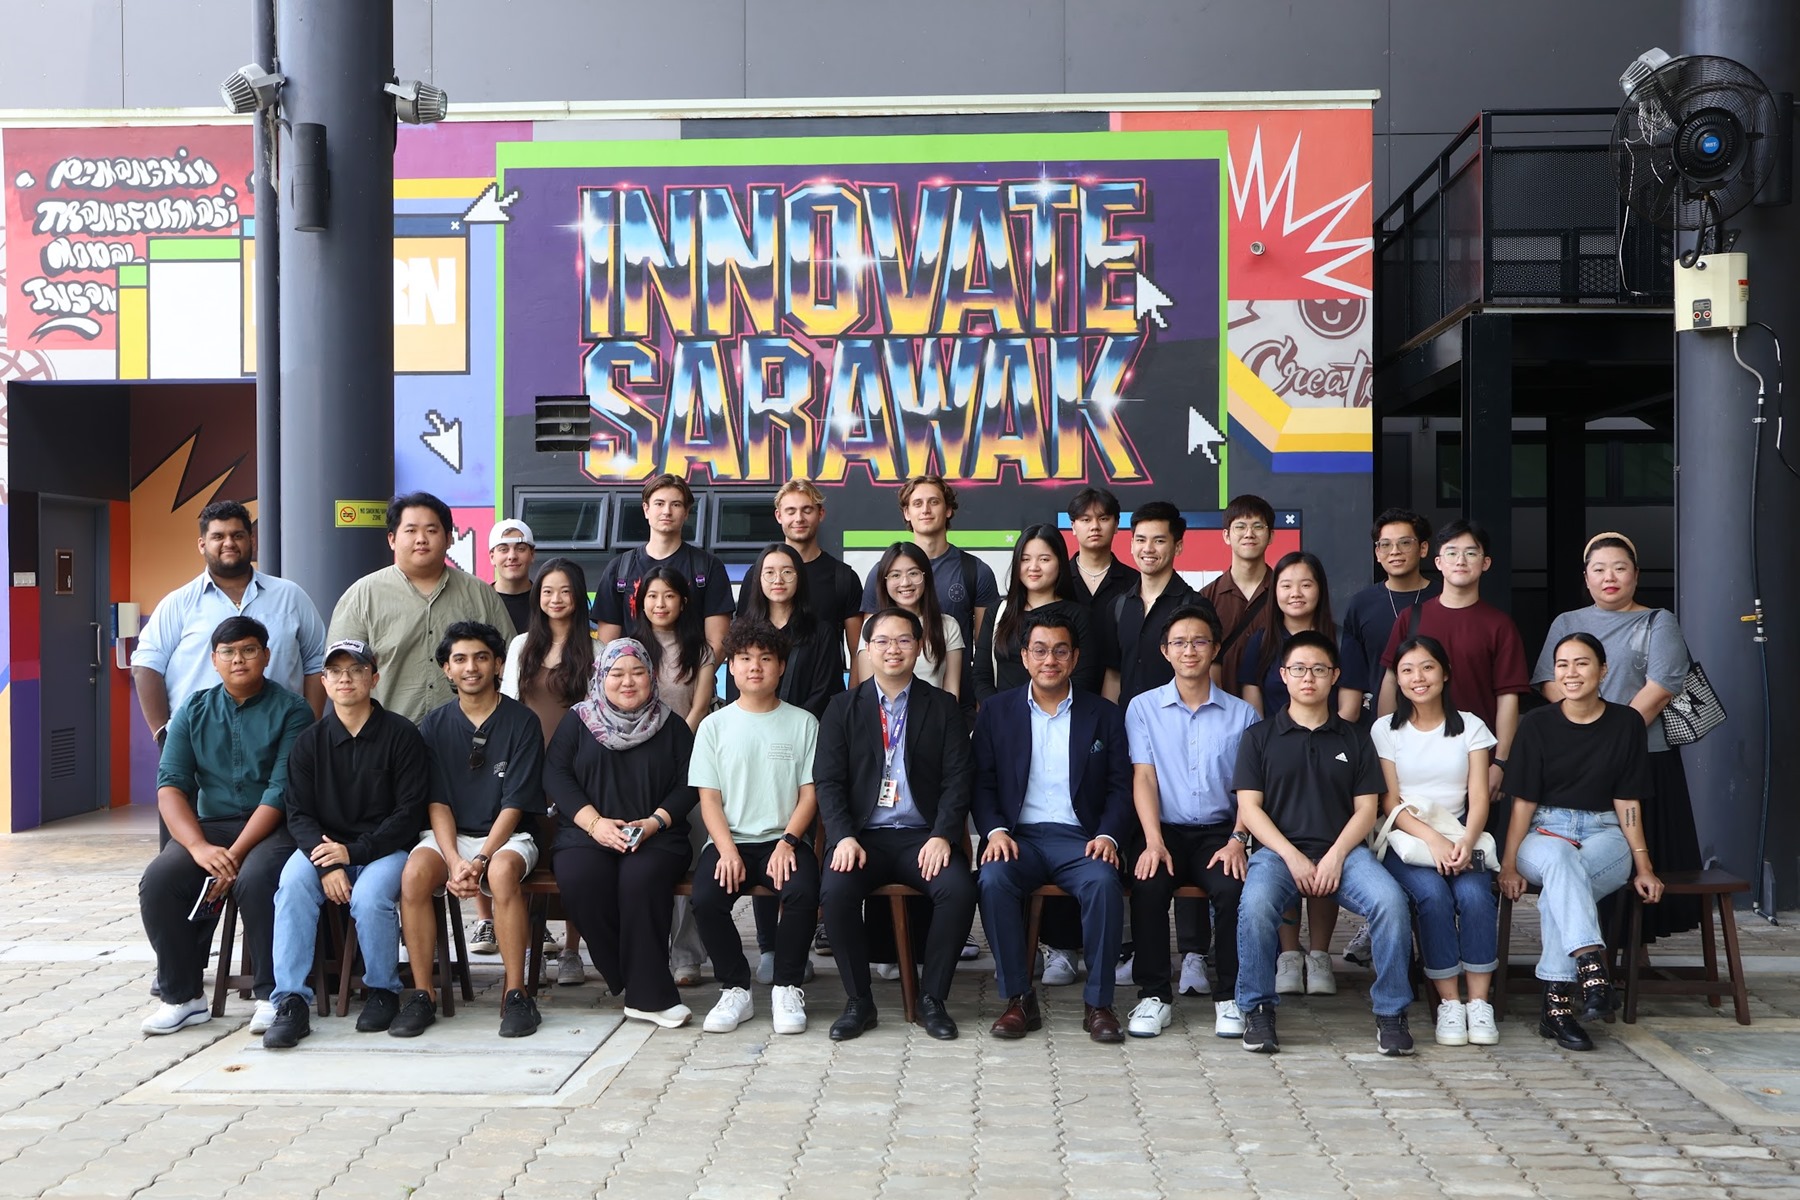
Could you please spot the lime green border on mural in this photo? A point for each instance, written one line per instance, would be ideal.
(1224, 422)
(1149, 145)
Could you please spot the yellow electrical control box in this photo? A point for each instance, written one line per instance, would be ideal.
(1714, 293)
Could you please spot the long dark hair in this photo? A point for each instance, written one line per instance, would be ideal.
(568, 680)
(803, 622)
(930, 615)
(1403, 706)
(1007, 631)
(1270, 620)
(690, 627)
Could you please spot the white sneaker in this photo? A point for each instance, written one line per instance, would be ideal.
(263, 1017)
(1149, 1018)
(1452, 1023)
(885, 970)
(1482, 1030)
(789, 1006)
(1059, 967)
(1290, 973)
(1193, 976)
(171, 1017)
(1122, 973)
(1319, 979)
(673, 1017)
(1227, 1021)
(569, 970)
(734, 1008)
(1358, 952)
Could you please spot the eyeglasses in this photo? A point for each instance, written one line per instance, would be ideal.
(904, 642)
(478, 752)
(1061, 652)
(1178, 645)
(237, 653)
(912, 576)
(354, 671)
(1389, 545)
(1302, 670)
(1472, 554)
(1249, 527)
(785, 574)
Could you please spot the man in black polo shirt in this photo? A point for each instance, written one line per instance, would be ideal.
(667, 502)
(1131, 626)
(487, 768)
(1308, 787)
(355, 798)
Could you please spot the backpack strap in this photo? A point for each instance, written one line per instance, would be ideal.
(1243, 622)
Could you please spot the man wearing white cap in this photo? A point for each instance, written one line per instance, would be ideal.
(511, 550)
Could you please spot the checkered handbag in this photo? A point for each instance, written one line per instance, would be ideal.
(1696, 710)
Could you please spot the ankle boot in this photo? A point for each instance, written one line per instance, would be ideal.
(1558, 1020)
(1597, 996)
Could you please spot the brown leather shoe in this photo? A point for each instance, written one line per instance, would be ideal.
(1021, 1017)
(1101, 1024)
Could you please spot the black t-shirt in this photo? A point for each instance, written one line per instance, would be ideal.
(832, 588)
(1365, 629)
(1119, 580)
(1556, 763)
(1309, 778)
(518, 607)
(616, 592)
(1130, 639)
(510, 773)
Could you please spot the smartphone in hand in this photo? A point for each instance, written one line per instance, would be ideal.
(633, 834)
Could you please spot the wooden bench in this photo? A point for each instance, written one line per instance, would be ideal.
(1522, 980)
(1715, 889)
(1036, 911)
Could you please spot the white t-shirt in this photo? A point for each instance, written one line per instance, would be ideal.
(1433, 770)
(928, 668)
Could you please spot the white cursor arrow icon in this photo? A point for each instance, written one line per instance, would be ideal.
(1203, 435)
(1150, 299)
(490, 207)
(444, 439)
(462, 550)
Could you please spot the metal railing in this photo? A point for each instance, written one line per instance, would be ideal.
(1514, 216)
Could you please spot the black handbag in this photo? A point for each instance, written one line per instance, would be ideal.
(1696, 710)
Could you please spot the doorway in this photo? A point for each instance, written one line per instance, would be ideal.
(72, 587)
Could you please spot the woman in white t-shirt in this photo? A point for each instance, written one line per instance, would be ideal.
(903, 580)
(1436, 764)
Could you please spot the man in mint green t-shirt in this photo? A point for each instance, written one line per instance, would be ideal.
(752, 765)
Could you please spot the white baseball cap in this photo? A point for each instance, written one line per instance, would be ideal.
(510, 530)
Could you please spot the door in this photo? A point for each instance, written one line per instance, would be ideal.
(72, 671)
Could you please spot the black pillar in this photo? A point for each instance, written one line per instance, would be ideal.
(268, 306)
(1714, 437)
(1565, 515)
(1487, 415)
(337, 292)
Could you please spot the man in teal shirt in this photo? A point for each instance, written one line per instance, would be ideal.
(218, 789)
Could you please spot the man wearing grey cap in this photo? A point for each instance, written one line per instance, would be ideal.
(511, 552)
(356, 791)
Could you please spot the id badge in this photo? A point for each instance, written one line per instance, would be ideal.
(890, 793)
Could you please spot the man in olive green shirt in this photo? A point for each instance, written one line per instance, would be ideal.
(402, 611)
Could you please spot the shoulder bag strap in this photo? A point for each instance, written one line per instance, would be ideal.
(1243, 622)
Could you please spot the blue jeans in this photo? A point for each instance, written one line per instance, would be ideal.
(374, 894)
(1052, 854)
(1573, 881)
(1459, 926)
(1365, 889)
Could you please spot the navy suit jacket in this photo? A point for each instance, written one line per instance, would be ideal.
(1099, 764)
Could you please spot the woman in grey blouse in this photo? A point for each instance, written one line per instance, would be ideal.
(1647, 659)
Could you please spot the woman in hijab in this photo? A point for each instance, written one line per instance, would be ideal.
(617, 771)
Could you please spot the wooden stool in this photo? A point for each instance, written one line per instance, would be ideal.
(898, 894)
(1523, 981)
(446, 972)
(1036, 914)
(223, 980)
(1715, 889)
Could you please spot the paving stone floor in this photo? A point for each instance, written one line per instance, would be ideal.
(895, 1114)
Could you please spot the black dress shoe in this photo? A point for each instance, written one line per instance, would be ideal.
(936, 1020)
(1558, 1019)
(858, 1018)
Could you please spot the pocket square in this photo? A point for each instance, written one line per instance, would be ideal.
(1097, 747)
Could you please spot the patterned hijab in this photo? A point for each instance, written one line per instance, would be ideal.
(614, 727)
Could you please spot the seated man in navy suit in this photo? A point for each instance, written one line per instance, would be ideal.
(1053, 803)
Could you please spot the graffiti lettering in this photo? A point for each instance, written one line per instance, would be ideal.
(61, 255)
(1350, 384)
(136, 174)
(168, 214)
(71, 299)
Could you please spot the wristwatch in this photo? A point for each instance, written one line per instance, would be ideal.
(480, 858)
(792, 841)
(1242, 837)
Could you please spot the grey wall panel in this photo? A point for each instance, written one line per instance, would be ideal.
(62, 54)
(177, 51)
(1451, 60)
(760, 127)
(413, 20)
(923, 47)
(1226, 45)
(583, 50)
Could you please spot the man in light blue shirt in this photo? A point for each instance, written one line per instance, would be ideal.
(1184, 745)
(173, 659)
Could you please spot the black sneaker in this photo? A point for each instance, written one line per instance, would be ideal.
(1259, 1030)
(378, 1011)
(821, 943)
(292, 1022)
(519, 1015)
(417, 1012)
(1392, 1036)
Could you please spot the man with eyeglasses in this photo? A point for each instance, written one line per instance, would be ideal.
(356, 791)
(487, 765)
(892, 774)
(1052, 803)
(1184, 742)
(1308, 788)
(1241, 593)
(1488, 672)
(219, 789)
(1402, 539)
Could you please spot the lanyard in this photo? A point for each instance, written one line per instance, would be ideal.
(890, 738)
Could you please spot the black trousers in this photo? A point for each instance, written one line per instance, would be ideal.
(893, 857)
(623, 904)
(793, 932)
(1191, 846)
(171, 884)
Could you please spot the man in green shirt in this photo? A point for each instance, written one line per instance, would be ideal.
(218, 789)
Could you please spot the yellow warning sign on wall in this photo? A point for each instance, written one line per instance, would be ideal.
(360, 514)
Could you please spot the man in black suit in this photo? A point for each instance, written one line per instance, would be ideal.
(1053, 804)
(892, 777)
